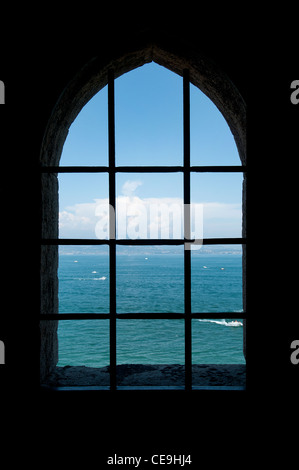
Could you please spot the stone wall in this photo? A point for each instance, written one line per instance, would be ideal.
(49, 275)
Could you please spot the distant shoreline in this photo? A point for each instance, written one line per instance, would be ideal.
(77, 250)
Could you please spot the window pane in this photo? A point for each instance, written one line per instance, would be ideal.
(149, 205)
(158, 343)
(219, 198)
(216, 279)
(83, 343)
(218, 342)
(83, 205)
(211, 140)
(87, 140)
(150, 279)
(83, 275)
(148, 117)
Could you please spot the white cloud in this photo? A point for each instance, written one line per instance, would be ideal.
(221, 210)
(149, 218)
(79, 220)
(130, 186)
(222, 220)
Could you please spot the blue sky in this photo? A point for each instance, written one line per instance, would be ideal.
(149, 131)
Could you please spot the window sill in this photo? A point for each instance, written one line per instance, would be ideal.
(148, 377)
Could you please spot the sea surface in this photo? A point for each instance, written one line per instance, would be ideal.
(150, 282)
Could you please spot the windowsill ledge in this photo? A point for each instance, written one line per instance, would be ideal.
(164, 375)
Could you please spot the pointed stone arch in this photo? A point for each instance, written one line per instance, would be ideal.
(171, 53)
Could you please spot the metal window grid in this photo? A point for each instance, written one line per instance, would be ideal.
(112, 169)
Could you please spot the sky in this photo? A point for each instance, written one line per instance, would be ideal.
(149, 131)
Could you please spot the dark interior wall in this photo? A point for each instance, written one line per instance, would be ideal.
(43, 45)
(42, 50)
(38, 69)
(171, 51)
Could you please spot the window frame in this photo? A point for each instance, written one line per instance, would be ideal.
(112, 242)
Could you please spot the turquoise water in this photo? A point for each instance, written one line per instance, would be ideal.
(150, 282)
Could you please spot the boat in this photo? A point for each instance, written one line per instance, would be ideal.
(235, 323)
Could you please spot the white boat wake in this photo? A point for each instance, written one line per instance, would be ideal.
(224, 323)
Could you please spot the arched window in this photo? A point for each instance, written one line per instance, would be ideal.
(118, 174)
